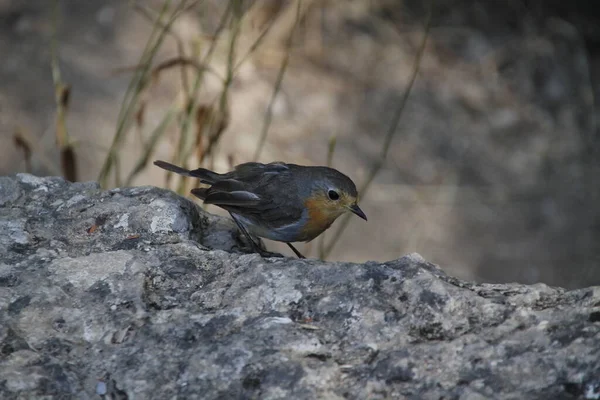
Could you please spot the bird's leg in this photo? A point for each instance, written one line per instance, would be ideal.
(242, 229)
(255, 247)
(294, 250)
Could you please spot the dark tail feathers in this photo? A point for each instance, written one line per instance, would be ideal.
(205, 175)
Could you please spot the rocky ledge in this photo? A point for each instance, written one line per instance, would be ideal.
(137, 293)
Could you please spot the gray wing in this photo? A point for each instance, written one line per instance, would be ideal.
(266, 195)
(228, 192)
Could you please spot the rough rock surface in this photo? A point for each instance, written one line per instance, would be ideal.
(117, 293)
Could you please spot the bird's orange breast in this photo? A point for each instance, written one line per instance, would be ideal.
(320, 217)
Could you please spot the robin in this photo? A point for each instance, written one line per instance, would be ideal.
(277, 201)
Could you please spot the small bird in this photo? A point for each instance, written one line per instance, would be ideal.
(277, 201)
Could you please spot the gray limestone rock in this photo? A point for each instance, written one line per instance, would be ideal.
(137, 293)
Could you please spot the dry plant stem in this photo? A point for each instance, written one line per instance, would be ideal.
(62, 138)
(203, 115)
(68, 163)
(255, 45)
(143, 10)
(186, 151)
(389, 135)
(62, 95)
(331, 149)
(286, 22)
(22, 144)
(158, 132)
(180, 153)
(34, 144)
(183, 62)
(269, 113)
(218, 120)
(179, 42)
(136, 86)
(183, 150)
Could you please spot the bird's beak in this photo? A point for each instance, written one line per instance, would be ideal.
(356, 210)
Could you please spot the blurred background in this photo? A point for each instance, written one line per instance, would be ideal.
(469, 125)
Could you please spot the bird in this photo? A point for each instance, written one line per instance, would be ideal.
(277, 201)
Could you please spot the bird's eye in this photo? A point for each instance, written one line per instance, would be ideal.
(333, 195)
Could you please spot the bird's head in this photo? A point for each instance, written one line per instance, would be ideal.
(333, 194)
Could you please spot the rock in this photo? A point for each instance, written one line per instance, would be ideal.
(137, 293)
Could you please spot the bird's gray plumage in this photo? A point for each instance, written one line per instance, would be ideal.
(248, 192)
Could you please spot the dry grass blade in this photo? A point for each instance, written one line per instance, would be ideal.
(136, 86)
(68, 163)
(183, 150)
(217, 123)
(140, 115)
(286, 22)
(221, 114)
(211, 124)
(260, 13)
(180, 45)
(22, 145)
(158, 132)
(151, 16)
(184, 61)
(331, 149)
(389, 134)
(202, 119)
(62, 94)
(269, 113)
(32, 143)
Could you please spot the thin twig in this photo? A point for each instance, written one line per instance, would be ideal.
(254, 45)
(134, 90)
(269, 113)
(34, 144)
(183, 150)
(223, 100)
(150, 146)
(184, 61)
(62, 94)
(389, 135)
(144, 11)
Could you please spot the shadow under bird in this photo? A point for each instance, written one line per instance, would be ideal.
(277, 201)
